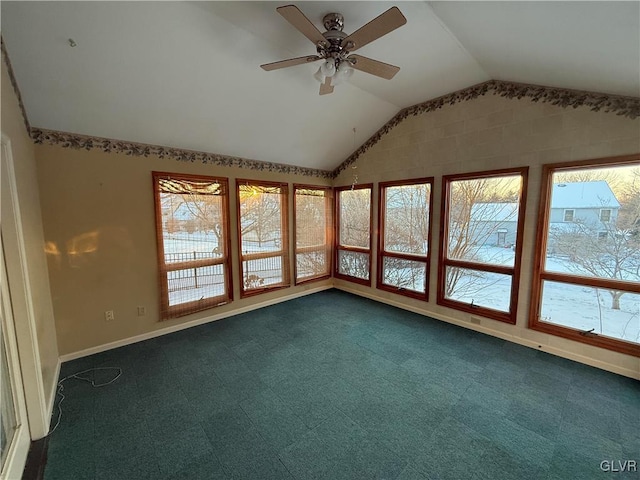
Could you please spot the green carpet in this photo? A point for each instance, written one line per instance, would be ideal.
(334, 386)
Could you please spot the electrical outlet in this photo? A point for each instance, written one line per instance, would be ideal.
(108, 316)
(142, 311)
(475, 320)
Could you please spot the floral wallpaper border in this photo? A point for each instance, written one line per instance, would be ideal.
(77, 142)
(562, 97)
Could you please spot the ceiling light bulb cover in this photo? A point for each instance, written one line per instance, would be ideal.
(319, 76)
(328, 68)
(345, 71)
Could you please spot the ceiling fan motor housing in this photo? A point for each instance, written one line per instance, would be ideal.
(334, 23)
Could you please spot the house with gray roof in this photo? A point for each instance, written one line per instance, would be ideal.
(588, 204)
(494, 224)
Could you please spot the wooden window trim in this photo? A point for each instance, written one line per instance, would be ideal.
(329, 206)
(284, 245)
(539, 275)
(514, 272)
(382, 186)
(168, 312)
(338, 247)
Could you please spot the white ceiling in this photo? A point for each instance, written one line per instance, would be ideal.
(186, 74)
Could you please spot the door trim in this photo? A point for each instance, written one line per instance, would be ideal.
(21, 297)
(21, 439)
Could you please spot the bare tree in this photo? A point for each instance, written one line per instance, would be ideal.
(629, 195)
(406, 231)
(261, 212)
(207, 215)
(601, 250)
(407, 219)
(192, 213)
(604, 249)
(478, 208)
(312, 234)
(355, 231)
(613, 177)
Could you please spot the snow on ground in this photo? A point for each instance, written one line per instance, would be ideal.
(573, 306)
(588, 308)
(193, 284)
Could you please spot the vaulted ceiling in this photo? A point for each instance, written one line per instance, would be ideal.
(186, 74)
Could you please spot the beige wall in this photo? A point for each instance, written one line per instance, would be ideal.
(92, 199)
(108, 197)
(31, 220)
(488, 133)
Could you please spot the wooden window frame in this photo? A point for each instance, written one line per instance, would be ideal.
(338, 248)
(329, 208)
(284, 245)
(514, 272)
(540, 275)
(168, 312)
(382, 253)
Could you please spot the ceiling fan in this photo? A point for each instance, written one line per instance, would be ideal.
(335, 47)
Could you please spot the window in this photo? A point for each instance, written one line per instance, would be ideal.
(263, 233)
(192, 226)
(404, 252)
(353, 250)
(605, 215)
(480, 248)
(313, 209)
(568, 215)
(586, 283)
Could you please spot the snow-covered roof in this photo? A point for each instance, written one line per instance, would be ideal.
(583, 195)
(494, 212)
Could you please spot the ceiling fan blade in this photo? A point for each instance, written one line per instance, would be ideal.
(289, 63)
(374, 67)
(376, 28)
(295, 17)
(326, 87)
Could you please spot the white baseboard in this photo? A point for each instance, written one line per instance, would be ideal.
(421, 311)
(182, 326)
(495, 333)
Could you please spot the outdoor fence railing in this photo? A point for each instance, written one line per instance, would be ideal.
(269, 269)
(197, 276)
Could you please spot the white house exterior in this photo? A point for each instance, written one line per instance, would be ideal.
(591, 204)
(494, 224)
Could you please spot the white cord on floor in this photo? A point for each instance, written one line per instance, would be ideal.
(78, 377)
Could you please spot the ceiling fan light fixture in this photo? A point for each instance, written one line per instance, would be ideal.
(328, 68)
(334, 47)
(343, 74)
(319, 75)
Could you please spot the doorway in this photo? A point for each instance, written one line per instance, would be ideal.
(14, 428)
